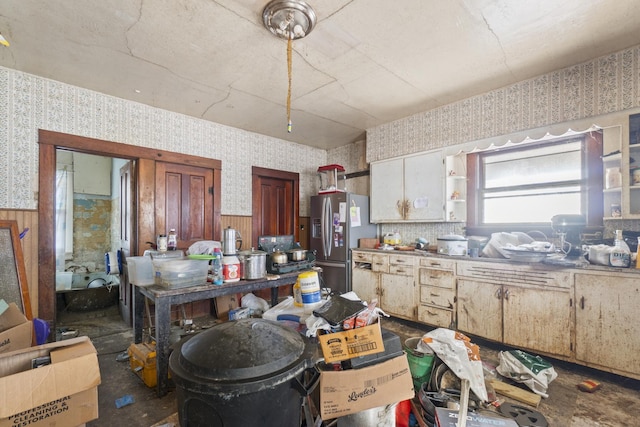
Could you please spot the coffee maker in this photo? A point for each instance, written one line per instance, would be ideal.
(568, 228)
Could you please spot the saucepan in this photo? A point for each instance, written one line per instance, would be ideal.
(297, 254)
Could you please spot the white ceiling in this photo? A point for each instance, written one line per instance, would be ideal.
(367, 62)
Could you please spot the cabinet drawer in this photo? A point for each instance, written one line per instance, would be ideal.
(435, 316)
(402, 270)
(443, 264)
(362, 256)
(380, 263)
(438, 296)
(439, 278)
(401, 260)
(514, 274)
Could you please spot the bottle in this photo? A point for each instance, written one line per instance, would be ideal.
(162, 243)
(216, 267)
(620, 255)
(230, 268)
(172, 240)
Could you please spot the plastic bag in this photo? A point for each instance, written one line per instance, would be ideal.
(461, 356)
(255, 303)
(533, 371)
(203, 247)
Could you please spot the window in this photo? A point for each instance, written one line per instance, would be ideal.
(524, 186)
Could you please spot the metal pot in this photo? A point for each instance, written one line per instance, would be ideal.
(253, 264)
(278, 257)
(297, 254)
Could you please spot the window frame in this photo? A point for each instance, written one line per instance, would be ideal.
(592, 196)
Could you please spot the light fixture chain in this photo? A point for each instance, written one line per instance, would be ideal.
(289, 48)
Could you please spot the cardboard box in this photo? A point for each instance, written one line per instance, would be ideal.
(354, 390)
(368, 243)
(16, 332)
(60, 394)
(449, 418)
(356, 342)
(225, 304)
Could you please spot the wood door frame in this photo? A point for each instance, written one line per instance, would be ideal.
(49, 142)
(256, 220)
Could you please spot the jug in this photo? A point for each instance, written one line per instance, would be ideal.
(232, 241)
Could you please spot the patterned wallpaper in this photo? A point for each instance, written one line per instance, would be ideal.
(29, 103)
(604, 85)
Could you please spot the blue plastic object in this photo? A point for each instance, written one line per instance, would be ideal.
(42, 330)
(125, 400)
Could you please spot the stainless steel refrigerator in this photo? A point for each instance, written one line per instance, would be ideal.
(338, 220)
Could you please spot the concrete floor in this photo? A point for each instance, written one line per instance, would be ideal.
(616, 404)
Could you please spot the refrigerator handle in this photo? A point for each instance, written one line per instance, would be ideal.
(326, 226)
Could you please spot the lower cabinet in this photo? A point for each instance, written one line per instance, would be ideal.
(607, 326)
(588, 317)
(397, 288)
(526, 309)
(389, 278)
(437, 283)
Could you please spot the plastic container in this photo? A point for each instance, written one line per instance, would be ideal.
(140, 270)
(381, 416)
(248, 372)
(180, 273)
(620, 255)
(420, 363)
(230, 268)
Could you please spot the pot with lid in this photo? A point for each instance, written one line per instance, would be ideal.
(297, 254)
(278, 257)
(253, 264)
(243, 373)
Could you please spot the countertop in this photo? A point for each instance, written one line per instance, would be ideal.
(553, 262)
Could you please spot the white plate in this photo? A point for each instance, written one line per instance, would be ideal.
(525, 256)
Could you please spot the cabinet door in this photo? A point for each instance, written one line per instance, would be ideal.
(398, 296)
(607, 326)
(387, 194)
(364, 283)
(537, 319)
(424, 187)
(480, 309)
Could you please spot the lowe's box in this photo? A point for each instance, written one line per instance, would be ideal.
(354, 390)
(51, 385)
(16, 332)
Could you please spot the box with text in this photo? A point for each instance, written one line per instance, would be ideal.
(354, 390)
(62, 391)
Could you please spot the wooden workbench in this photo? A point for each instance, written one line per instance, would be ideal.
(164, 298)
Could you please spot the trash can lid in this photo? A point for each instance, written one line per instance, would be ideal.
(242, 350)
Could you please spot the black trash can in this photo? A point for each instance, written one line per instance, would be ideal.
(248, 372)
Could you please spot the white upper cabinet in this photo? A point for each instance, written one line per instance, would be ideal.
(409, 189)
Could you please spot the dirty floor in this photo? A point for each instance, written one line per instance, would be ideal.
(615, 404)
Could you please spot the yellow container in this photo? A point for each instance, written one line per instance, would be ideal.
(142, 358)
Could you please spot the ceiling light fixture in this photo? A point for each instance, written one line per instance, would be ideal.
(289, 20)
(3, 41)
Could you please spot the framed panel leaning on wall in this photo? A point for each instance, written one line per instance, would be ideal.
(13, 275)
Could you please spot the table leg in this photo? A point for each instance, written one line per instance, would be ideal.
(163, 330)
(138, 314)
(274, 296)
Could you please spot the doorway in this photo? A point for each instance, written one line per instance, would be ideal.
(144, 227)
(275, 203)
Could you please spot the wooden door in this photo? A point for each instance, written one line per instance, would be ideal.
(537, 319)
(480, 309)
(184, 201)
(607, 326)
(275, 203)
